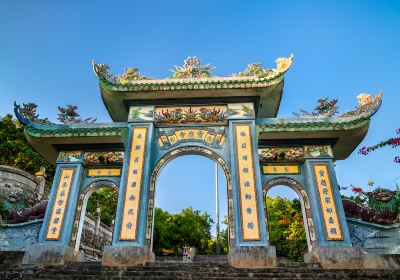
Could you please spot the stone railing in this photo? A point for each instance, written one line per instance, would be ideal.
(95, 236)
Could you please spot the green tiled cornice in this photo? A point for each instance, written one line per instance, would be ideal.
(311, 124)
(75, 130)
(191, 84)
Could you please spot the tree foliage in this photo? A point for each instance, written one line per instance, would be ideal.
(15, 151)
(187, 228)
(286, 227)
(106, 199)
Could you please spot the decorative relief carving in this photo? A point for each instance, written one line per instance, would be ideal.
(247, 183)
(327, 202)
(141, 113)
(241, 111)
(133, 186)
(190, 115)
(280, 169)
(318, 151)
(305, 198)
(168, 138)
(192, 68)
(74, 156)
(256, 70)
(94, 158)
(311, 230)
(59, 205)
(276, 154)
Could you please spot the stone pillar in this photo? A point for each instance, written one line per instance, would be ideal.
(251, 248)
(54, 237)
(334, 248)
(97, 225)
(128, 246)
(41, 175)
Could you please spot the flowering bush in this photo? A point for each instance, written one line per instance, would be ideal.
(394, 142)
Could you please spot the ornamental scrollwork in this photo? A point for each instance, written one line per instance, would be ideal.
(192, 68)
(93, 158)
(256, 70)
(129, 75)
(281, 154)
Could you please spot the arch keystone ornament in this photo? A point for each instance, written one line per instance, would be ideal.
(232, 120)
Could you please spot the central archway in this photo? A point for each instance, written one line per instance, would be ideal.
(188, 150)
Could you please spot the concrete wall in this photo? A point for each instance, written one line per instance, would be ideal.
(373, 238)
(13, 180)
(18, 237)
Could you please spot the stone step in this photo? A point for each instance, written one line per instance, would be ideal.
(186, 271)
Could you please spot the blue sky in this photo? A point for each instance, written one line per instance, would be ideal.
(341, 48)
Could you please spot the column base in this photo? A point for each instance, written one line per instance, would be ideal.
(381, 261)
(335, 257)
(40, 254)
(252, 256)
(122, 256)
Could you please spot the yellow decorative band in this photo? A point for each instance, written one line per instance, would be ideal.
(133, 186)
(327, 202)
(59, 205)
(104, 172)
(247, 183)
(280, 169)
(210, 137)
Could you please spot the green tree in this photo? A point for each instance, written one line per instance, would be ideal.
(106, 199)
(15, 150)
(187, 228)
(286, 227)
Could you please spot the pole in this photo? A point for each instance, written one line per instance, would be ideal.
(217, 209)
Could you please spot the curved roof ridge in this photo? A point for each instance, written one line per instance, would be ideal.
(264, 75)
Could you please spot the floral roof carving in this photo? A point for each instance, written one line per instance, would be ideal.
(193, 75)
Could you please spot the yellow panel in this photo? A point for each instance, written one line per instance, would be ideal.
(222, 140)
(247, 183)
(160, 142)
(133, 187)
(327, 202)
(60, 203)
(281, 169)
(104, 172)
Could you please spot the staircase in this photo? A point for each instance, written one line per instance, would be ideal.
(202, 269)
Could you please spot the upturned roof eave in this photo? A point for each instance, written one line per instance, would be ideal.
(347, 135)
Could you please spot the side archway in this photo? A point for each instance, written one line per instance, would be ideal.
(81, 209)
(305, 205)
(188, 150)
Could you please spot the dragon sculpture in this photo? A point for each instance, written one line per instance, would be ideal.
(383, 207)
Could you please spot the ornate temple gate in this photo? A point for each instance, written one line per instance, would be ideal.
(231, 120)
(227, 141)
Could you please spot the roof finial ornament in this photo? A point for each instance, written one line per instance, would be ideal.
(192, 68)
(130, 74)
(255, 69)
